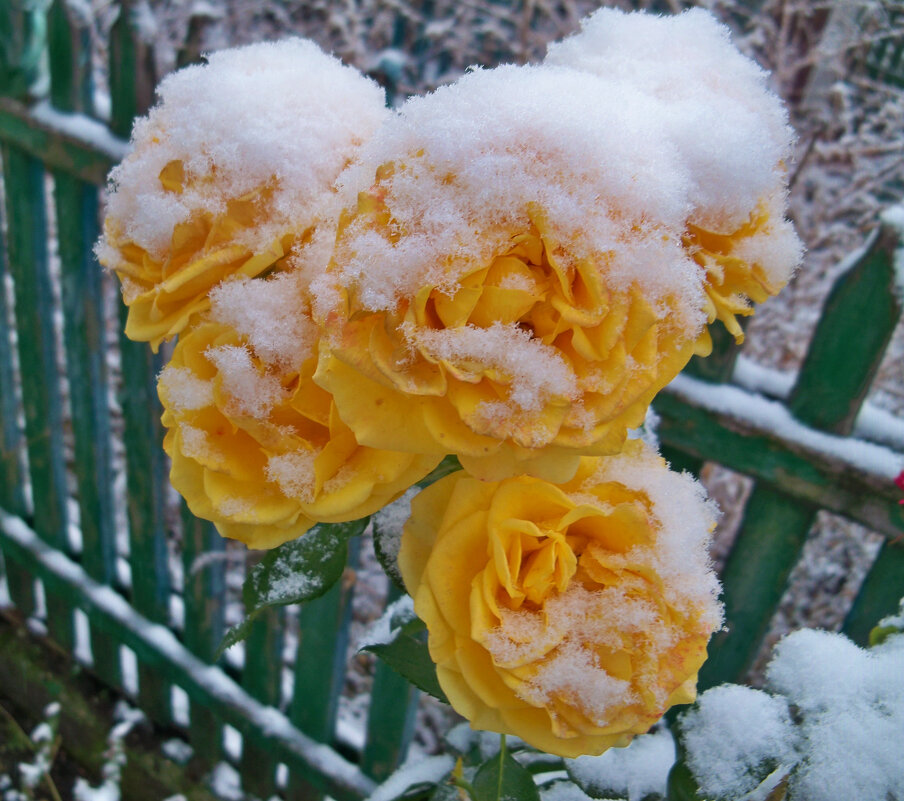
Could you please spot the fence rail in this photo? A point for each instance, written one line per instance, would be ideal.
(60, 441)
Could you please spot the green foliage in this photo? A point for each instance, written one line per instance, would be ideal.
(888, 626)
(295, 572)
(406, 652)
(682, 786)
(501, 778)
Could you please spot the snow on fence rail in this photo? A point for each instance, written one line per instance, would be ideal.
(60, 440)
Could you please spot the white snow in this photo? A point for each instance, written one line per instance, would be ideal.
(390, 521)
(232, 743)
(82, 650)
(226, 782)
(730, 129)
(81, 128)
(842, 742)
(115, 758)
(281, 115)
(735, 737)
(129, 666)
(635, 772)
(177, 750)
(852, 705)
(270, 314)
(429, 770)
(180, 705)
(5, 600)
(385, 628)
(563, 791)
(894, 217)
(774, 419)
(588, 154)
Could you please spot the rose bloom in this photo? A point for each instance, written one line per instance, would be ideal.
(744, 266)
(735, 227)
(232, 174)
(256, 446)
(510, 287)
(571, 616)
(164, 294)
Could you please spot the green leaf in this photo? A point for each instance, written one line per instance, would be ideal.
(295, 572)
(405, 649)
(879, 634)
(888, 627)
(388, 522)
(387, 527)
(682, 786)
(501, 778)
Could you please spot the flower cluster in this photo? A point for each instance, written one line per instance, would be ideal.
(507, 270)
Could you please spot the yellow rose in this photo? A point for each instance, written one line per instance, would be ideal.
(571, 616)
(747, 265)
(512, 285)
(529, 360)
(233, 173)
(258, 448)
(728, 127)
(165, 292)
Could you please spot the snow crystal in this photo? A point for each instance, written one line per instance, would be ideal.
(232, 742)
(294, 473)
(735, 737)
(636, 772)
(194, 442)
(82, 650)
(563, 791)
(180, 705)
(385, 628)
(282, 114)
(390, 521)
(851, 702)
(573, 672)
(5, 599)
(586, 153)
(270, 314)
(419, 770)
(537, 371)
(686, 518)
(183, 390)
(251, 391)
(729, 130)
(872, 423)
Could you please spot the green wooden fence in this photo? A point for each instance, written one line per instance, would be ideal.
(65, 439)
